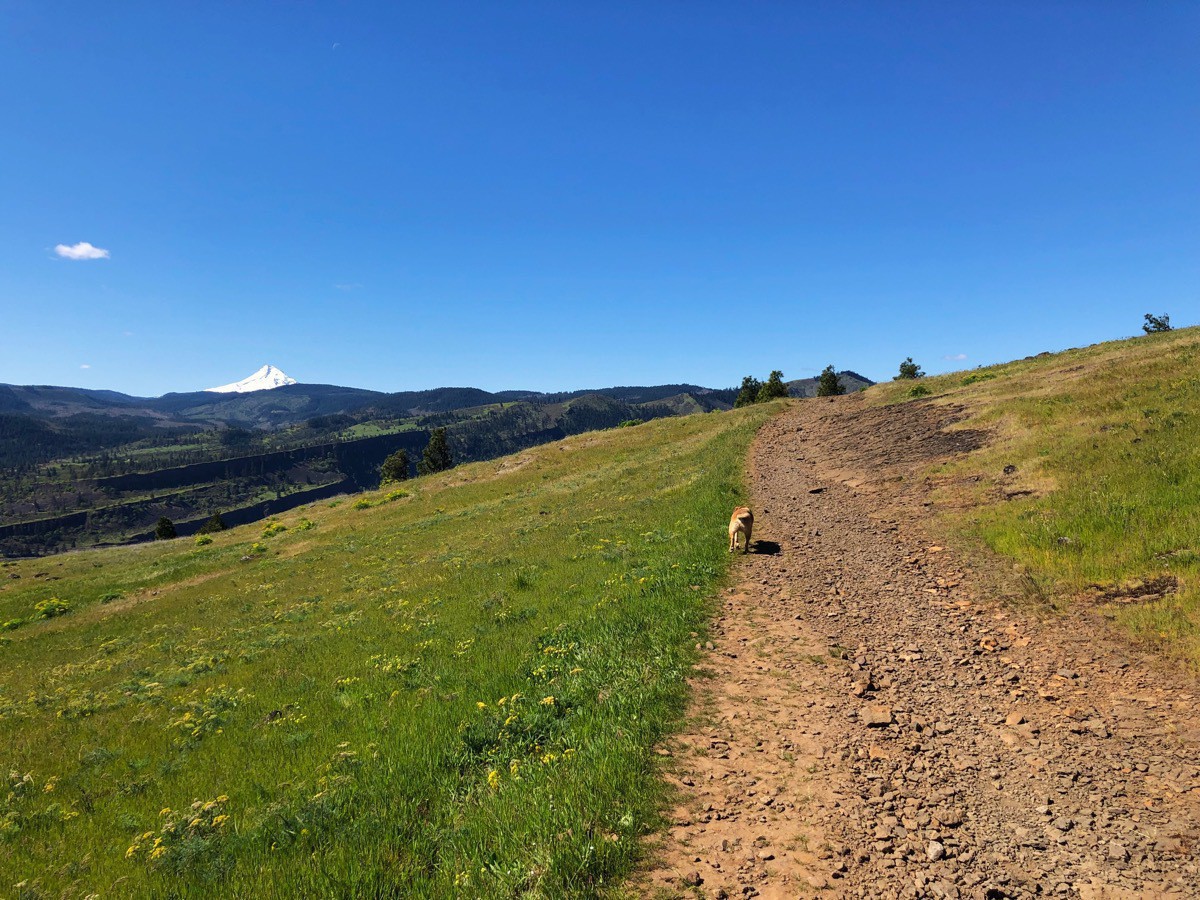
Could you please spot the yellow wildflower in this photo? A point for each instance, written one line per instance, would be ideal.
(547, 701)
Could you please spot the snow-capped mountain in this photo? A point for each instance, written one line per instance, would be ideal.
(263, 380)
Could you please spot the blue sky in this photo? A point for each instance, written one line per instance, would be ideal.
(555, 195)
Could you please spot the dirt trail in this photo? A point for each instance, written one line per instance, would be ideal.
(876, 725)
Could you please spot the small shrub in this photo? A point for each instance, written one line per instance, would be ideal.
(919, 391)
(273, 528)
(111, 596)
(1156, 324)
(393, 496)
(978, 376)
(213, 524)
(364, 503)
(395, 467)
(51, 607)
(164, 530)
(772, 389)
(828, 384)
(305, 524)
(12, 624)
(748, 394)
(629, 423)
(437, 456)
(203, 539)
(190, 840)
(206, 713)
(258, 547)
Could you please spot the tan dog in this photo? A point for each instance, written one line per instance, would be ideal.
(743, 522)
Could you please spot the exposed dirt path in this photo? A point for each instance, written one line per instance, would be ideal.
(876, 725)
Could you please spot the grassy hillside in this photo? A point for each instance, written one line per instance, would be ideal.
(452, 692)
(1102, 504)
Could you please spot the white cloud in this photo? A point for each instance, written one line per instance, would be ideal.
(955, 357)
(82, 250)
(85, 366)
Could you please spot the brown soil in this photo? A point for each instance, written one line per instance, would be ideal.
(875, 722)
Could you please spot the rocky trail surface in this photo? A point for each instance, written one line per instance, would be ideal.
(872, 722)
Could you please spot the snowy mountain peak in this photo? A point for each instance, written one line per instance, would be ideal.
(263, 380)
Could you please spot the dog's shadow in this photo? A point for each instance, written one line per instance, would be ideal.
(767, 548)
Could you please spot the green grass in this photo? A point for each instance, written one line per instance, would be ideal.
(1105, 438)
(449, 694)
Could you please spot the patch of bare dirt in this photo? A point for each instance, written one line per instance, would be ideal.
(875, 724)
(1140, 592)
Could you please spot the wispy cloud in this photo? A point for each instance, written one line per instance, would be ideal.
(82, 250)
(348, 286)
(955, 357)
(85, 366)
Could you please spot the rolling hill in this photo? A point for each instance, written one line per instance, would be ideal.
(448, 690)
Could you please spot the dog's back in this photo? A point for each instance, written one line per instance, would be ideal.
(741, 522)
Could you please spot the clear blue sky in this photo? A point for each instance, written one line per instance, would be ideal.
(556, 195)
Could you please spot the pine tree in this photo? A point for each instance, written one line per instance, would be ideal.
(395, 467)
(214, 524)
(436, 457)
(164, 530)
(828, 384)
(909, 369)
(773, 388)
(1155, 324)
(749, 392)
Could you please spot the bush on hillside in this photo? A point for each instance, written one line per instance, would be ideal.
(165, 530)
(51, 607)
(828, 384)
(436, 457)
(1155, 324)
(773, 388)
(212, 525)
(394, 468)
(909, 369)
(749, 392)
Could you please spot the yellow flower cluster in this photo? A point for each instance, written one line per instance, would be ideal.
(204, 821)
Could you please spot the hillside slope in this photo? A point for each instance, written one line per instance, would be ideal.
(450, 690)
(1089, 480)
(881, 723)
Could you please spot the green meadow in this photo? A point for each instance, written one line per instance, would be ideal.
(1105, 496)
(450, 688)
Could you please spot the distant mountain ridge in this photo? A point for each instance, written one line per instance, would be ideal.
(84, 466)
(290, 404)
